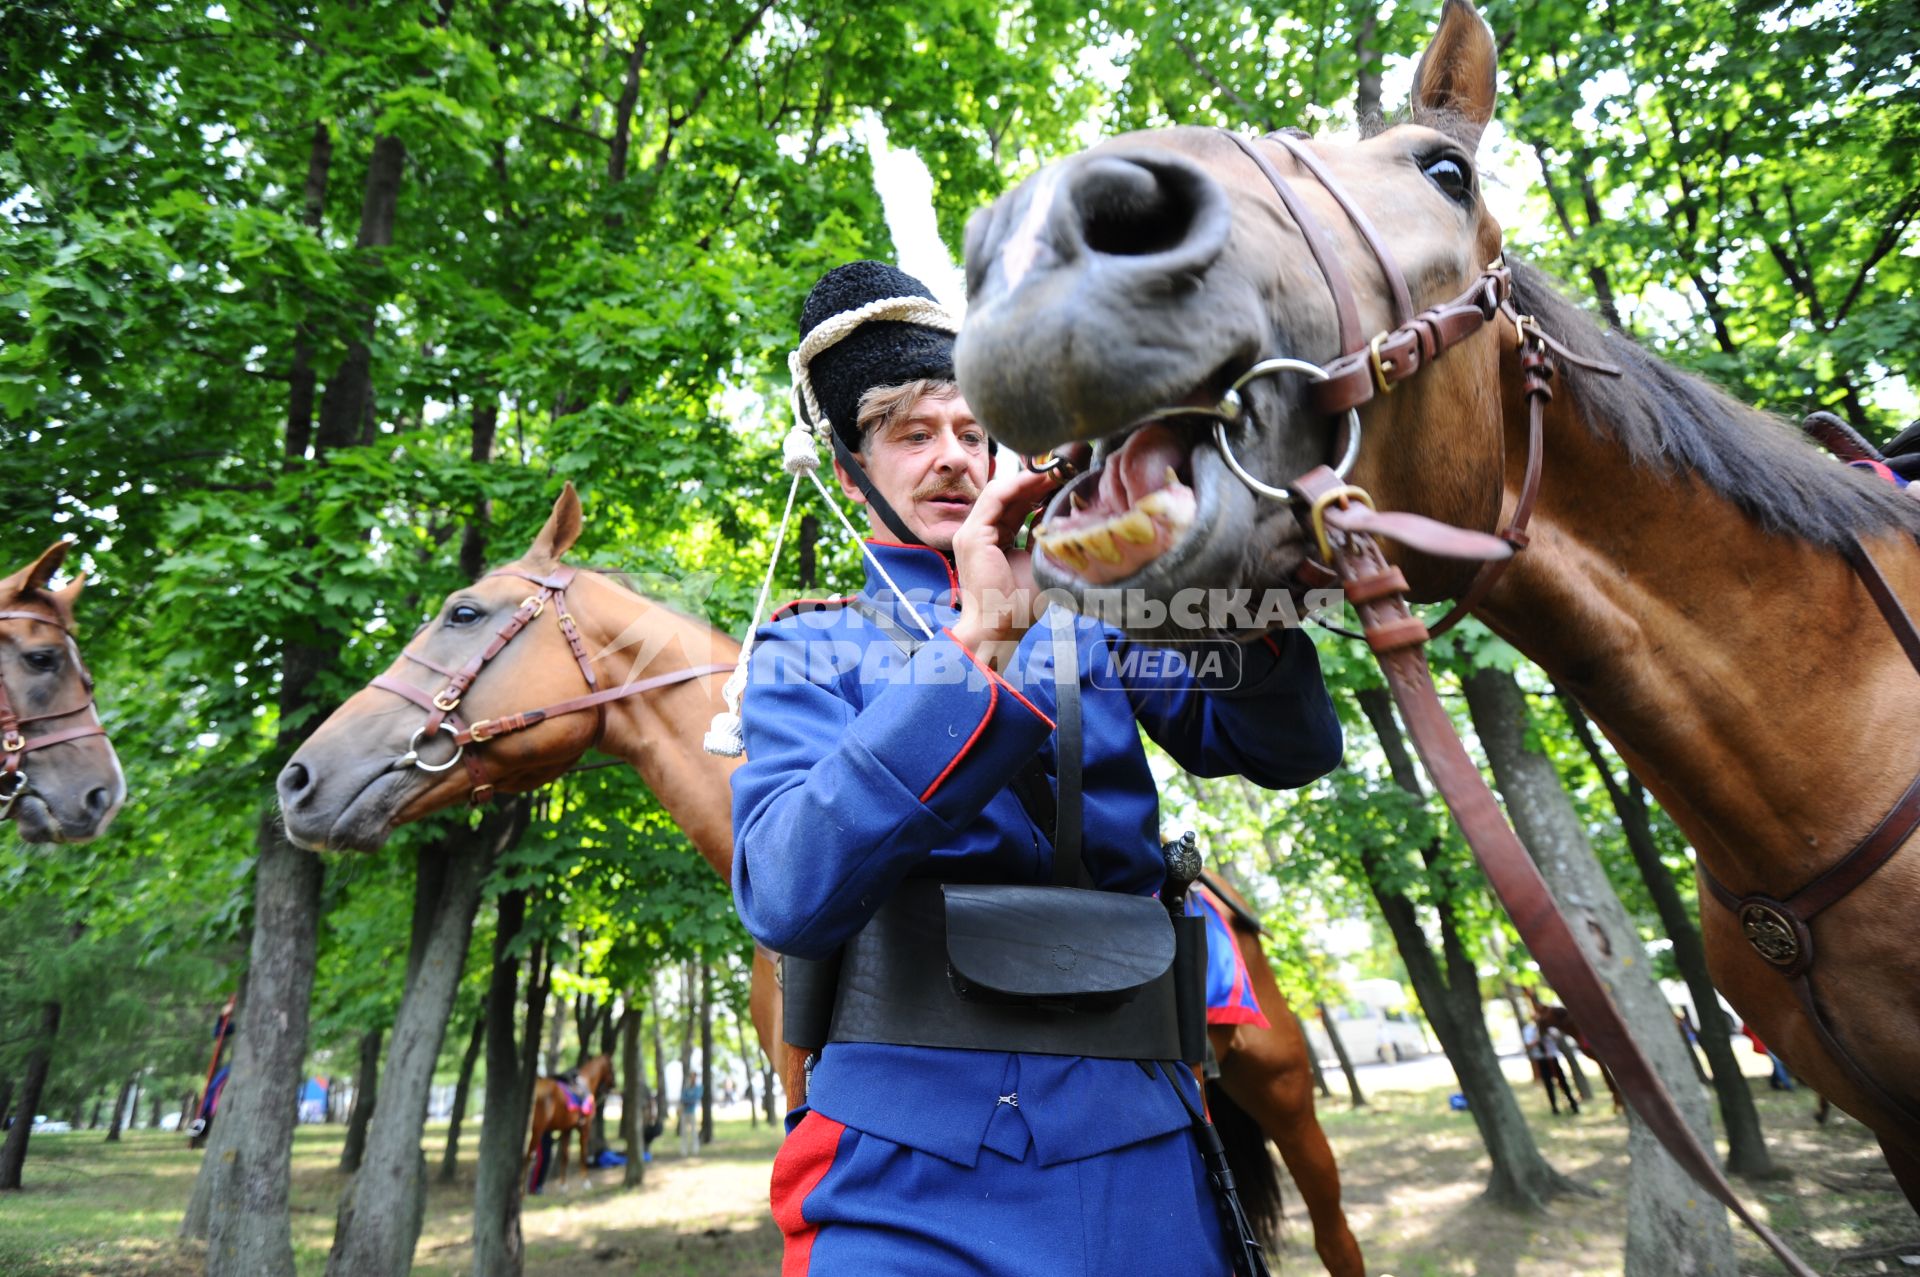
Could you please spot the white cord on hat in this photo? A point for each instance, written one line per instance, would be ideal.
(800, 456)
(923, 311)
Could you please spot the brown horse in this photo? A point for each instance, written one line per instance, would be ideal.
(59, 777)
(1687, 576)
(1546, 1015)
(342, 790)
(552, 1115)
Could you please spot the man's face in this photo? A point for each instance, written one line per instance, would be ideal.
(929, 464)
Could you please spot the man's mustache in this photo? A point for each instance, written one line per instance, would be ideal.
(964, 491)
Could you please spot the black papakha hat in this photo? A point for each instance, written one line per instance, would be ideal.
(867, 324)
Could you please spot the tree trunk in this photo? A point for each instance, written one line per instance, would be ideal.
(381, 1210)
(746, 1067)
(1520, 1177)
(1671, 1225)
(93, 1115)
(6, 1098)
(1328, 1023)
(706, 1053)
(1313, 1061)
(133, 1102)
(450, 1159)
(13, 1154)
(1570, 1054)
(153, 1108)
(659, 1057)
(118, 1121)
(498, 1248)
(366, 1094)
(634, 1098)
(220, 1140)
(249, 1233)
(1747, 1152)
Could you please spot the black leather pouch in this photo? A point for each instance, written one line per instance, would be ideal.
(1064, 948)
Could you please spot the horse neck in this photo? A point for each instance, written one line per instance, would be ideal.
(1744, 675)
(661, 733)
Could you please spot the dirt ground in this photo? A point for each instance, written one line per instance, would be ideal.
(1413, 1172)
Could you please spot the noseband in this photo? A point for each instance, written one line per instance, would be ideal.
(443, 706)
(15, 744)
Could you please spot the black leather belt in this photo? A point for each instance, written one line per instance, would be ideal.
(914, 977)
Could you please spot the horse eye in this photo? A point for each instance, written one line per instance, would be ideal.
(464, 614)
(1451, 176)
(43, 662)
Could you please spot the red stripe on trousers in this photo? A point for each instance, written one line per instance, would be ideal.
(804, 1160)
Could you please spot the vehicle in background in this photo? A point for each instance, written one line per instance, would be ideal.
(1377, 1022)
(42, 1126)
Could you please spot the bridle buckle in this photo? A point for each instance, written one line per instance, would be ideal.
(13, 743)
(1380, 382)
(1317, 513)
(446, 701)
(539, 602)
(478, 733)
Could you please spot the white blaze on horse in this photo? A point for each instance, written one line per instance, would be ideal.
(1204, 321)
(59, 778)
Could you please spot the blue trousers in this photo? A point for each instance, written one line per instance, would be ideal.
(855, 1205)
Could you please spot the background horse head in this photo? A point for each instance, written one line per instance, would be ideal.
(485, 699)
(1687, 573)
(59, 778)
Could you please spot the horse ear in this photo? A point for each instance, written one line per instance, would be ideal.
(1453, 87)
(562, 530)
(40, 575)
(65, 598)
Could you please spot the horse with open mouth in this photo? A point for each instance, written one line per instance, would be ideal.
(60, 780)
(1205, 324)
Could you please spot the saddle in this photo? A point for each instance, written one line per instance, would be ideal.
(1902, 454)
(578, 1100)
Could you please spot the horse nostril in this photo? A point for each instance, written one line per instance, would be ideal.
(1136, 208)
(98, 799)
(295, 780)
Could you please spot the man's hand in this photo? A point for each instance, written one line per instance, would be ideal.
(996, 580)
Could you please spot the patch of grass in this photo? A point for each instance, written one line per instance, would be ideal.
(1412, 1172)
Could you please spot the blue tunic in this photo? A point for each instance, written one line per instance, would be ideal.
(866, 767)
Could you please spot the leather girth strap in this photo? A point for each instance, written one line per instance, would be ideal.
(1509, 869)
(1780, 929)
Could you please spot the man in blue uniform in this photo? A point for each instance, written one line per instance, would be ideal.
(906, 738)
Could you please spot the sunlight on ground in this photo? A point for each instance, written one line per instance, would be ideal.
(1412, 1172)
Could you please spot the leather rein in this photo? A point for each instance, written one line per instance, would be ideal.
(15, 744)
(1344, 525)
(443, 706)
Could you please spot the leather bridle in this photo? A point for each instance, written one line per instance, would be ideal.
(15, 744)
(443, 706)
(1344, 523)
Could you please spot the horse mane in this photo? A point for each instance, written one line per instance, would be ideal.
(1679, 423)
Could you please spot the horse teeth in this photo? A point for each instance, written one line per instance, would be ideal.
(1172, 478)
(1062, 549)
(1099, 543)
(1135, 526)
(1075, 502)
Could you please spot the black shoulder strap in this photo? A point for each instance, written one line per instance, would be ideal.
(1060, 819)
(1069, 866)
